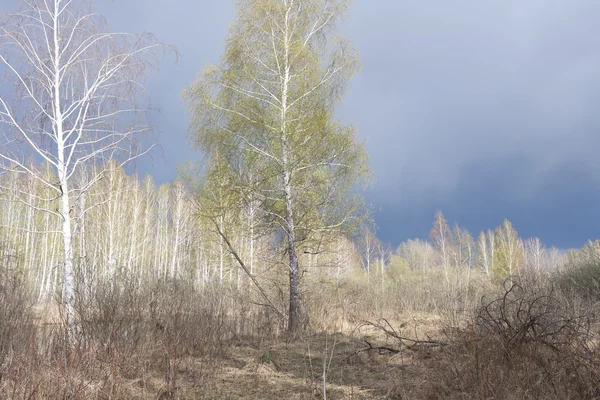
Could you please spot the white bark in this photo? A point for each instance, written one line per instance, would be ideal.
(284, 64)
(78, 104)
(177, 220)
(535, 254)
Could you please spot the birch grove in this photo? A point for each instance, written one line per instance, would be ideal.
(76, 102)
(275, 203)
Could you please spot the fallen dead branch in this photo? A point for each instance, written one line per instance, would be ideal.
(384, 326)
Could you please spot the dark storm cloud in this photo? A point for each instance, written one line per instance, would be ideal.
(198, 30)
(483, 109)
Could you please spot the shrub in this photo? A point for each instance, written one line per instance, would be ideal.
(581, 280)
(524, 344)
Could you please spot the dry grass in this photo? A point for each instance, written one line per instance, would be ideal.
(167, 340)
(294, 371)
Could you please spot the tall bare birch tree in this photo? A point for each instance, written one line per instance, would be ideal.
(440, 237)
(269, 107)
(78, 99)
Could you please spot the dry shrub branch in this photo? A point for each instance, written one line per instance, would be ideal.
(524, 344)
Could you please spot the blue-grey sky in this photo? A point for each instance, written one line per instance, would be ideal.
(483, 109)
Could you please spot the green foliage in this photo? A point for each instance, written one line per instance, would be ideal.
(262, 124)
(267, 357)
(397, 267)
(508, 251)
(582, 280)
(265, 120)
(589, 254)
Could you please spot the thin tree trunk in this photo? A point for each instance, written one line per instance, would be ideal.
(295, 312)
(65, 206)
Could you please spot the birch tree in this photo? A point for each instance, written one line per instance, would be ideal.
(440, 237)
(368, 245)
(385, 252)
(485, 254)
(419, 254)
(508, 256)
(77, 100)
(535, 255)
(269, 108)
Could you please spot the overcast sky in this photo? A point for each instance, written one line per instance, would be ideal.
(483, 109)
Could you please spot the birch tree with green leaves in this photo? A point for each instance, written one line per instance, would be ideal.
(264, 117)
(508, 254)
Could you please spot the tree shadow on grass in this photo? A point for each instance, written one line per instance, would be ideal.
(295, 370)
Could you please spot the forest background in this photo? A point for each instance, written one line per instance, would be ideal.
(109, 278)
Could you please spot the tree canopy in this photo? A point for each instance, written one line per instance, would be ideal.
(264, 118)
